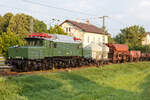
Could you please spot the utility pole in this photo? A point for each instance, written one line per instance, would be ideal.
(103, 18)
(31, 25)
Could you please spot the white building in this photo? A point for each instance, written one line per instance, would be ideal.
(146, 39)
(85, 31)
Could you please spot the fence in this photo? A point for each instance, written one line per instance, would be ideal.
(2, 63)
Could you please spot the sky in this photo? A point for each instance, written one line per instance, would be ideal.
(121, 13)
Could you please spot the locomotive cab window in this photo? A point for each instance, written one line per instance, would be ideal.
(55, 45)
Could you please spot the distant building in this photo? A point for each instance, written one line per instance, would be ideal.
(146, 39)
(85, 31)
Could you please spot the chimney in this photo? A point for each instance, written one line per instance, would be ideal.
(78, 20)
(87, 22)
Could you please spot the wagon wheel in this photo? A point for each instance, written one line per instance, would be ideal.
(114, 61)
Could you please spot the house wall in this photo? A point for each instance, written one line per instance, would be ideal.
(86, 37)
(146, 40)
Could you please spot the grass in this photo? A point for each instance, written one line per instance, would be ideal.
(113, 82)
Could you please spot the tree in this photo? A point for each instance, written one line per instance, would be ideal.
(110, 39)
(57, 30)
(39, 26)
(6, 20)
(119, 39)
(132, 36)
(1, 24)
(20, 24)
(7, 40)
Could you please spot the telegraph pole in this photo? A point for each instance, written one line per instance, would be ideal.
(55, 21)
(103, 18)
(31, 26)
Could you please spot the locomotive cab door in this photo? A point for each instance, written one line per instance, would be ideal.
(50, 50)
(53, 49)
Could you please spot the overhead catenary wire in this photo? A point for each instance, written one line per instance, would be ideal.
(72, 11)
(45, 5)
(110, 17)
(49, 20)
(58, 8)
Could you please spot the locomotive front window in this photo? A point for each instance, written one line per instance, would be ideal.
(50, 44)
(40, 43)
(33, 42)
(79, 46)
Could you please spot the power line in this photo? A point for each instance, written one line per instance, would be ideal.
(1, 5)
(103, 9)
(67, 10)
(50, 20)
(110, 17)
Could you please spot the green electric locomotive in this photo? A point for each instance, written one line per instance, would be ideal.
(45, 51)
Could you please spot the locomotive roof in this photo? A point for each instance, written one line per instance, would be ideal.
(58, 38)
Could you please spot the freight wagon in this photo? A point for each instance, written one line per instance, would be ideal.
(118, 52)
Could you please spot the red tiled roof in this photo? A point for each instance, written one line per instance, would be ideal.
(147, 33)
(86, 27)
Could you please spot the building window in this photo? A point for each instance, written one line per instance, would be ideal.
(67, 29)
(93, 39)
(103, 39)
(99, 39)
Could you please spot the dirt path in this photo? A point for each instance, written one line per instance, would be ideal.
(7, 73)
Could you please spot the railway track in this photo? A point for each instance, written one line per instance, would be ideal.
(7, 71)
